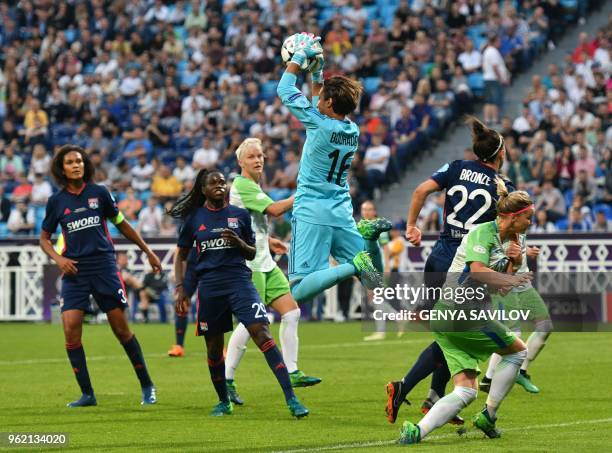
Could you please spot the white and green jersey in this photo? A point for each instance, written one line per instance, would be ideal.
(483, 244)
(247, 194)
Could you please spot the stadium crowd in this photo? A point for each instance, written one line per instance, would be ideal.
(155, 90)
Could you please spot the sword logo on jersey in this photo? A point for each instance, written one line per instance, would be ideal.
(232, 222)
(82, 224)
(214, 244)
(93, 203)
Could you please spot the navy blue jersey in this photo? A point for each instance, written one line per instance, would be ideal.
(471, 196)
(220, 266)
(82, 218)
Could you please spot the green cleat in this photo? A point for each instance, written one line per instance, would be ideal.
(409, 434)
(483, 422)
(368, 274)
(233, 393)
(524, 380)
(299, 379)
(371, 229)
(297, 409)
(222, 408)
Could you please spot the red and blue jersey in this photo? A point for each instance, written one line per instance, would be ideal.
(219, 266)
(82, 218)
(471, 196)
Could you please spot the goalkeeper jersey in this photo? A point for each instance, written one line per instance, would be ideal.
(322, 195)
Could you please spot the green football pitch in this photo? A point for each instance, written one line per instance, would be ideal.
(573, 412)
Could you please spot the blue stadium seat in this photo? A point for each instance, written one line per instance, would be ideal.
(370, 84)
(476, 83)
(569, 197)
(145, 195)
(605, 208)
(4, 231)
(268, 90)
(562, 224)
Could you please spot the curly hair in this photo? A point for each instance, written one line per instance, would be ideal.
(57, 165)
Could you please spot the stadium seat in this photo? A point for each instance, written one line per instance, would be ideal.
(4, 231)
(569, 197)
(476, 83)
(605, 208)
(268, 90)
(370, 84)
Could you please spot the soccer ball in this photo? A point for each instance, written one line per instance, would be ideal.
(288, 49)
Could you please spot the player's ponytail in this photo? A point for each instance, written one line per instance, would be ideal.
(192, 200)
(486, 142)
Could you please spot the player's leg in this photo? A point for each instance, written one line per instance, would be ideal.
(371, 230)
(309, 270)
(190, 283)
(464, 367)
(250, 310)
(216, 367)
(75, 299)
(277, 290)
(543, 327)
(110, 294)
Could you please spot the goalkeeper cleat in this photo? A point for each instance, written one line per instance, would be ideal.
(299, 379)
(367, 272)
(428, 404)
(297, 409)
(371, 229)
(409, 434)
(176, 351)
(83, 401)
(394, 400)
(149, 395)
(222, 408)
(483, 422)
(524, 380)
(233, 393)
(485, 385)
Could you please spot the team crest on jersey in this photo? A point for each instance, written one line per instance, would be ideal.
(93, 203)
(232, 222)
(203, 326)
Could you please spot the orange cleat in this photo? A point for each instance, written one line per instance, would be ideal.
(176, 351)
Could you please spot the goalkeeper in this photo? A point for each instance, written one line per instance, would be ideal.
(322, 223)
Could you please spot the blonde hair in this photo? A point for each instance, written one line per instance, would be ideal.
(246, 144)
(509, 203)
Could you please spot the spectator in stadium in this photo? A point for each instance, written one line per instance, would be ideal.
(577, 221)
(5, 205)
(142, 174)
(21, 219)
(154, 287)
(471, 58)
(602, 224)
(10, 163)
(551, 200)
(165, 186)
(41, 191)
(206, 156)
(495, 74)
(585, 186)
(35, 123)
(542, 224)
(376, 161)
(150, 218)
(182, 170)
(130, 206)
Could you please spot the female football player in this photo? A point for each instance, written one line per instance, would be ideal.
(224, 239)
(89, 264)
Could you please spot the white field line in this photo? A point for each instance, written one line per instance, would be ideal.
(381, 443)
(305, 347)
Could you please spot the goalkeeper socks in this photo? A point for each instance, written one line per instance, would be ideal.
(132, 348)
(289, 338)
(423, 367)
(236, 347)
(446, 408)
(180, 326)
(503, 380)
(76, 355)
(276, 364)
(319, 281)
(216, 366)
(371, 246)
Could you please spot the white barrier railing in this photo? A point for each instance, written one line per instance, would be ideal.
(22, 275)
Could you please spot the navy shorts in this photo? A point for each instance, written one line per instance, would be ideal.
(215, 312)
(439, 261)
(107, 288)
(190, 281)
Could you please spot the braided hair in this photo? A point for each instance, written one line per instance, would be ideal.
(192, 200)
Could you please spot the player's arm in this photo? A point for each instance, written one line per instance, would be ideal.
(279, 207)
(132, 235)
(413, 234)
(65, 264)
(180, 264)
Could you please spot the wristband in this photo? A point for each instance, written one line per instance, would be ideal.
(298, 58)
(317, 77)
